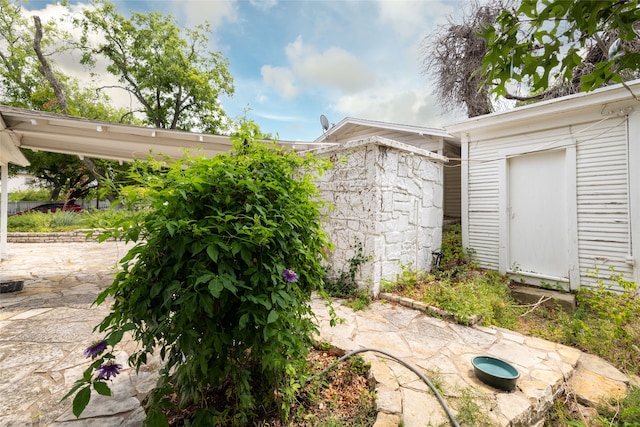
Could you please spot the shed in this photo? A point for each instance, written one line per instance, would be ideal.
(430, 139)
(551, 191)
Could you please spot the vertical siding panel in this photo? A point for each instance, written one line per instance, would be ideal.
(602, 201)
(452, 182)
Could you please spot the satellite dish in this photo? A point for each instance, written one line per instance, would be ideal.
(324, 122)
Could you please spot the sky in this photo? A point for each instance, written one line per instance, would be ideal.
(293, 61)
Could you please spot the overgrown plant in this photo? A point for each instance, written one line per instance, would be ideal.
(219, 282)
(458, 287)
(454, 258)
(44, 222)
(31, 194)
(344, 283)
(605, 322)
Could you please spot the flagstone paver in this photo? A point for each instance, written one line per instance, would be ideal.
(45, 328)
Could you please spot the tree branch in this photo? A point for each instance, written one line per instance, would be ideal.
(45, 68)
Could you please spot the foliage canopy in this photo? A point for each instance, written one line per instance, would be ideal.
(169, 71)
(164, 67)
(548, 43)
(551, 48)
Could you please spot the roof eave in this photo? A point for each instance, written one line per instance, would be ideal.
(568, 105)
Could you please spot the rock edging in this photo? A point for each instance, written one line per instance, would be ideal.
(427, 309)
(51, 237)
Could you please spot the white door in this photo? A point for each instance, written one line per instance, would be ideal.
(537, 214)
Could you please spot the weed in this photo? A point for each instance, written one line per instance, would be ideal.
(605, 323)
(469, 413)
(435, 377)
(406, 281)
(63, 219)
(454, 258)
(344, 284)
(624, 413)
(44, 222)
(361, 301)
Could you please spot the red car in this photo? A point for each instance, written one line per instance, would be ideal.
(53, 207)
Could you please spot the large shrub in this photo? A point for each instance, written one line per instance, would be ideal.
(219, 281)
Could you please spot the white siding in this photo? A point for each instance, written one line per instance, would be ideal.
(452, 182)
(602, 200)
(601, 192)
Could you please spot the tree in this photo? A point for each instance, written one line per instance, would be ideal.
(454, 53)
(176, 81)
(29, 79)
(177, 86)
(20, 81)
(553, 48)
(571, 44)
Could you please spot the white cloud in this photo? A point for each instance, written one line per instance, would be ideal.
(264, 4)
(414, 106)
(281, 79)
(408, 19)
(334, 69)
(216, 13)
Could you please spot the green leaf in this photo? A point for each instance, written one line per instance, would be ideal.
(212, 251)
(273, 316)
(78, 384)
(81, 401)
(102, 388)
(156, 419)
(115, 337)
(215, 287)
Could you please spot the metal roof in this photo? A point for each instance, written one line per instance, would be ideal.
(350, 123)
(57, 133)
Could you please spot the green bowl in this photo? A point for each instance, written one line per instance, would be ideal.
(495, 372)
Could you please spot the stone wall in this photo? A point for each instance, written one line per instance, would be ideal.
(388, 199)
(49, 237)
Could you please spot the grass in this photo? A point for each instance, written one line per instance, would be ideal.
(45, 222)
(62, 220)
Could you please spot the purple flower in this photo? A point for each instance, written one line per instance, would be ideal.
(108, 370)
(290, 276)
(95, 349)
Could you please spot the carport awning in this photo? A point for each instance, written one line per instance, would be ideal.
(72, 135)
(9, 151)
(56, 133)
